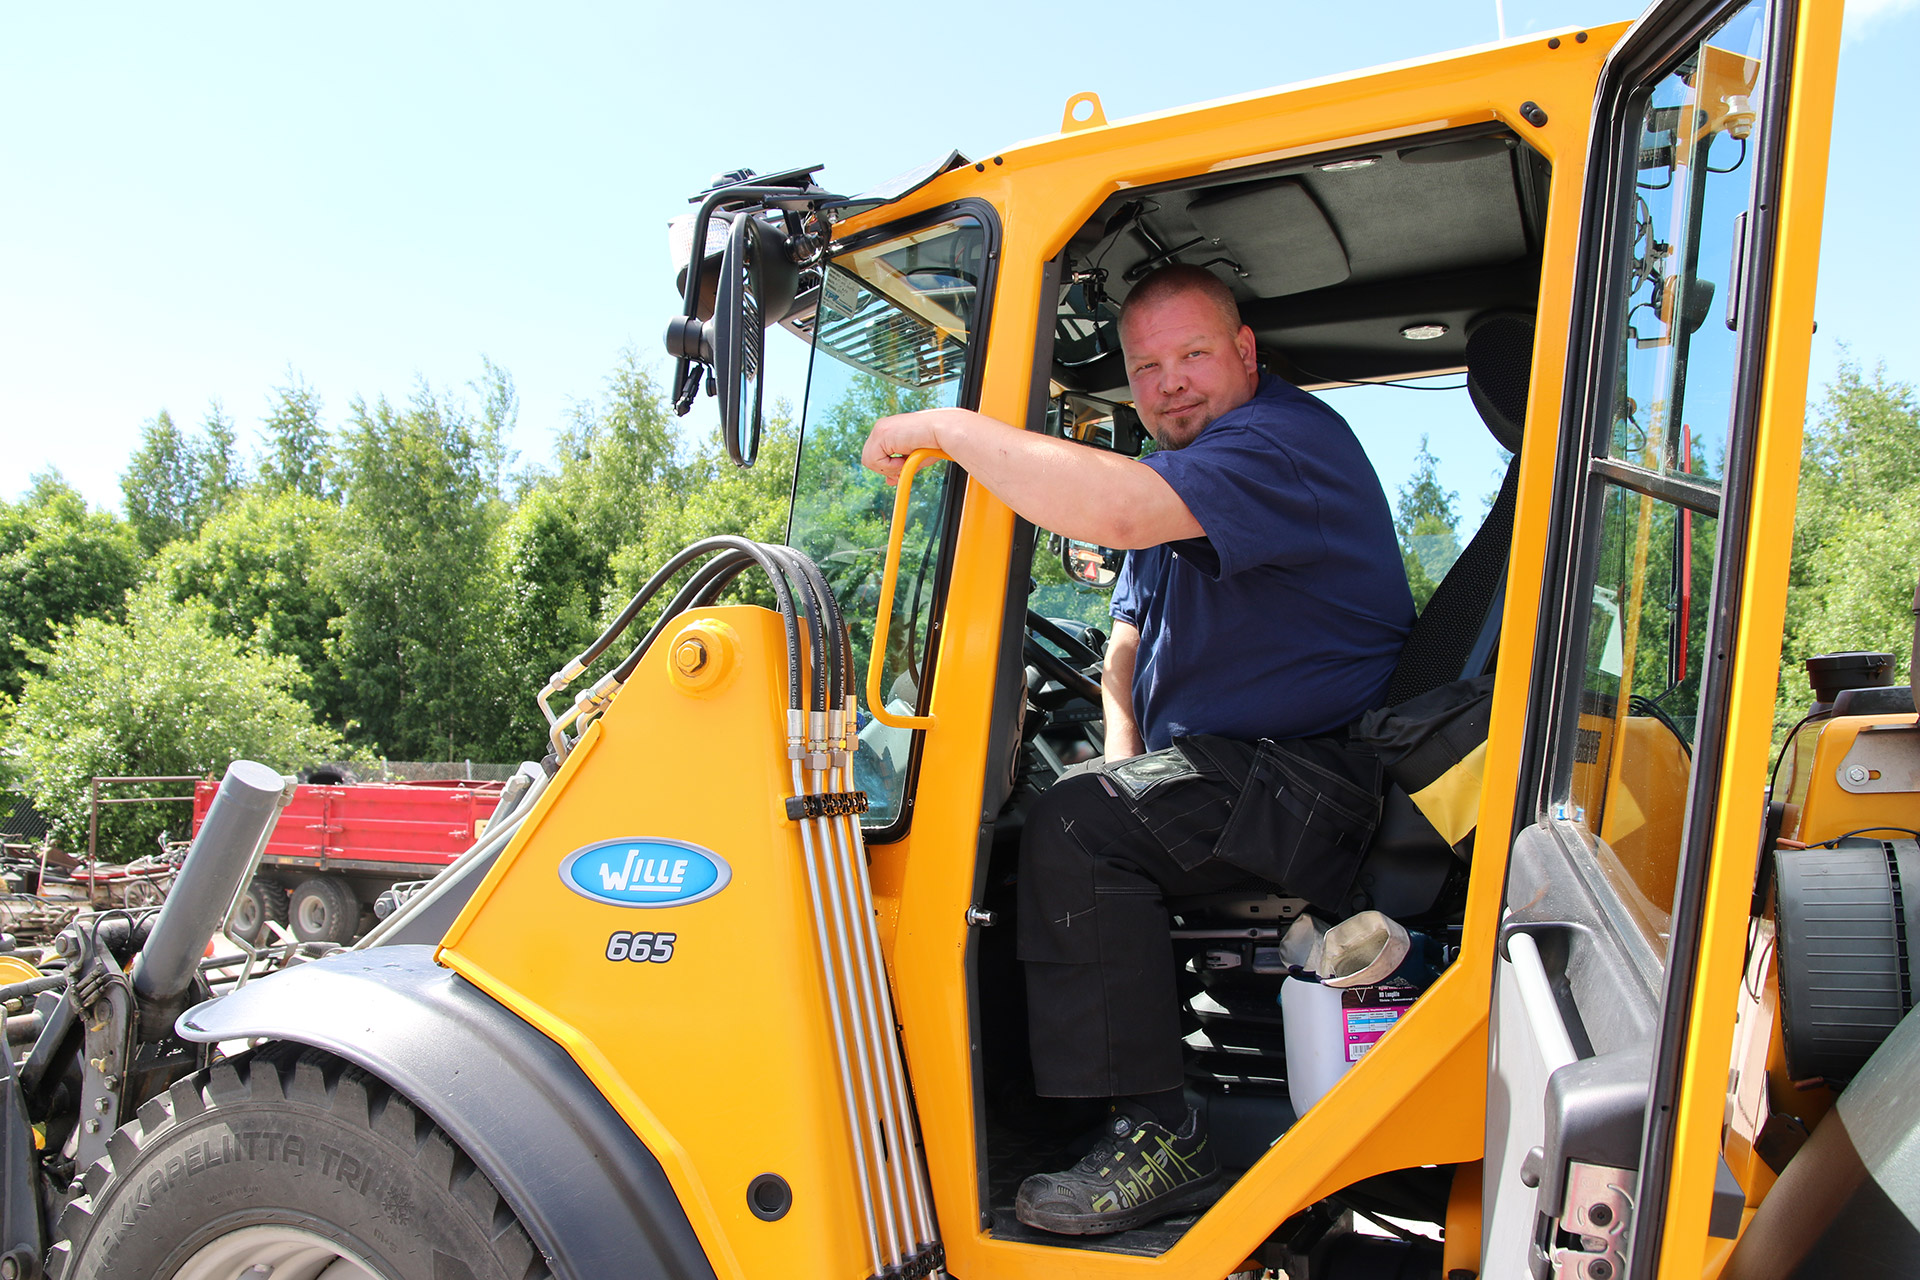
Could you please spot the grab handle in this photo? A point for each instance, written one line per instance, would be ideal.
(896, 536)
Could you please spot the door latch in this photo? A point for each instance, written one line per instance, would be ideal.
(1599, 1210)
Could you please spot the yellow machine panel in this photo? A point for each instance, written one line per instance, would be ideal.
(714, 1041)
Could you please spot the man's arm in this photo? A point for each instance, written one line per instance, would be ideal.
(1071, 489)
(1116, 692)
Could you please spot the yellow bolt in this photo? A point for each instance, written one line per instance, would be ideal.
(690, 656)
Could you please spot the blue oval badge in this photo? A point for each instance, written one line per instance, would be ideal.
(645, 872)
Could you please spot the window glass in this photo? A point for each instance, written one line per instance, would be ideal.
(1690, 203)
(1633, 749)
(1662, 460)
(1055, 593)
(891, 334)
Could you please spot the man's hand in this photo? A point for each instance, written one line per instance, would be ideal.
(894, 437)
(1069, 488)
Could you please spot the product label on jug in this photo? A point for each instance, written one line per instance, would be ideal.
(1367, 1013)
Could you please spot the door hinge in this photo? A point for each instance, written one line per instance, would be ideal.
(1599, 1210)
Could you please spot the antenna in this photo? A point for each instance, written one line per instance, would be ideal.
(1500, 16)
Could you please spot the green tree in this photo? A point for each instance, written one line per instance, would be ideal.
(161, 693)
(58, 562)
(295, 451)
(1856, 534)
(1428, 522)
(222, 472)
(416, 646)
(161, 485)
(262, 568)
(555, 555)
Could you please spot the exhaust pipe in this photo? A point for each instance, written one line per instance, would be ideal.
(250, 799)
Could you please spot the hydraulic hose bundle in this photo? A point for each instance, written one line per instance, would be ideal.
(822, 726)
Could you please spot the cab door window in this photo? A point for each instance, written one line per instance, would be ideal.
(894, 330)
(1653, 490)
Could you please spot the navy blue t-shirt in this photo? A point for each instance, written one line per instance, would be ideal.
(1284, 620)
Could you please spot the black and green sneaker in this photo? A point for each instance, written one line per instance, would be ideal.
(1138, 1171)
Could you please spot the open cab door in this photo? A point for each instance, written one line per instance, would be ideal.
(1640, 798)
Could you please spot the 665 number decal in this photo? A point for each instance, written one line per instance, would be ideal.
(641, 948)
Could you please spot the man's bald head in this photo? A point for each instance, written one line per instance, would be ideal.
(1189, 359)
(1176, 281)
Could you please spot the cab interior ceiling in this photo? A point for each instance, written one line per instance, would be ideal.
(1331, 257)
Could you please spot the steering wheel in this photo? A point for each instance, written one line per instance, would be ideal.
(1073, 680)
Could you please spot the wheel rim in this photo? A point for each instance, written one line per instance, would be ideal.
(313, 914)
(246, 913)
(274, 1252)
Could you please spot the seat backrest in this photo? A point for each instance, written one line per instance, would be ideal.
(1454, 635)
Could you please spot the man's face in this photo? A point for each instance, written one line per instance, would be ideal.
(1187, 365)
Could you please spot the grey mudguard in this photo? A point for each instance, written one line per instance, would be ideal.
(591, 1195)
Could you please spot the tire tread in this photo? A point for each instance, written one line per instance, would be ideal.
(301, 1076)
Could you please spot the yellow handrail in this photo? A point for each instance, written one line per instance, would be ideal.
(896, 536)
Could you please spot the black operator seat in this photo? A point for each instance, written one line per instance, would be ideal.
(1456, 633)
(1407, 865)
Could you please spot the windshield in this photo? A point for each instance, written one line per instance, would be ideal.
(891, 334)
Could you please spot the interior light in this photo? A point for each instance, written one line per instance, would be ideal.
(1341, 166)
(1423, 332)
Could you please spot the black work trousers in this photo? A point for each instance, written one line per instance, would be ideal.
(1102, 1006)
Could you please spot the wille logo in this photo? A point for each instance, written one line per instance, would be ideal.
(645, 872)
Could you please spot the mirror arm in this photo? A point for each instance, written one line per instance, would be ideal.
(687, 335)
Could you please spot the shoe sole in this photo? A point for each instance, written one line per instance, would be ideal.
(1195, 1195)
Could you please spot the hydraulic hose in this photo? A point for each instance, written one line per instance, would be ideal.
(641, 598)
(834, 656)
(782, 597)
(816, 629)
(706, 582)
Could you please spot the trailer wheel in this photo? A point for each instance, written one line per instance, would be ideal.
(287, 1162)
(260, 901)
(323, 909)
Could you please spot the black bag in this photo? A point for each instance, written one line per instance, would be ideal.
(1435, 746)
(1305, 811)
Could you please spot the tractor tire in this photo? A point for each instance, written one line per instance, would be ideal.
(287, 1162)
(261, 901)
(323, 909)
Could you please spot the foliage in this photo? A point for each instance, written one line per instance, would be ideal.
(400, 578)
(175, 482)
(297, 456)
(1856, 536)
(415, 650)
(261, 567)
(161, 486)
(161, 693)
(58, 562)
(1428, 521)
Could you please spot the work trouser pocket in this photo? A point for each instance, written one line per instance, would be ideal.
(1304, 816)
(1181, 797)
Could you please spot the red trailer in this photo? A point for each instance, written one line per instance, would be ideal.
(338, 847)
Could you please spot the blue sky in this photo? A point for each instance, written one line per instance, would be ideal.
(199, 198)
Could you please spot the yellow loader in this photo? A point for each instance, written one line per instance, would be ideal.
(769, 1022)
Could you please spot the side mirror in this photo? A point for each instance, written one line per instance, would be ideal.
(758, 282)
(1091, 565)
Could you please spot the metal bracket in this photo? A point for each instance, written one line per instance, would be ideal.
(109, 1040)
(1598, 1209)
(1883, 758)
(826, 804)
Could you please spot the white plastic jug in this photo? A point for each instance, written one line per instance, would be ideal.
(1329, 1029)
(1316, 1041)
